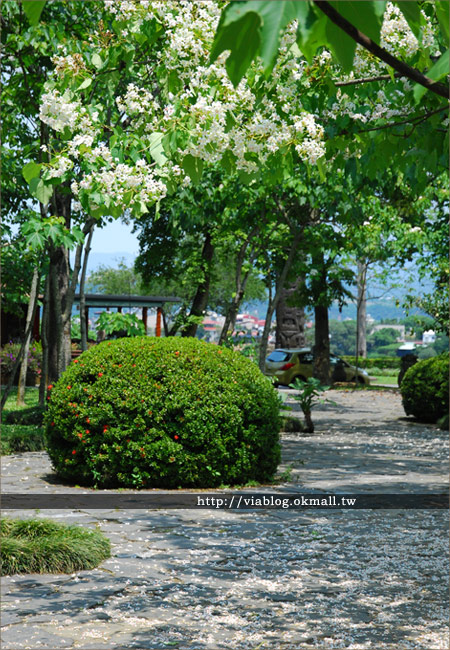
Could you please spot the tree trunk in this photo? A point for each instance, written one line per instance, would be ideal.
(290, 331)
(322, 345)
(30, 318)
(83, 324)
(309, 424)
(201, 297)
(44, 341)
(16, 365)
(240, 285)
(272, 304)
(361, 311)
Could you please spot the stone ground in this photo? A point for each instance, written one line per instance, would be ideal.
(259, 579)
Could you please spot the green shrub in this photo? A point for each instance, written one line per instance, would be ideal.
(424, 389)
(44, 546)
(169, 412)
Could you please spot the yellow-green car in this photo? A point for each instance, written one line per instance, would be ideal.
(287, 365)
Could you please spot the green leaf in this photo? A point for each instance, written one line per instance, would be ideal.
(239, 32)
(440, 69)
(96, 60)
(365, 16)
(411, 12)
(85, 84)
(35, 240)
(311, 30)
(193, 167)
(275, 16)
(321, 170)
(41, 191)
(31, 170)
(443, 16)
(342, 45)
(156, 149)
(33, 10)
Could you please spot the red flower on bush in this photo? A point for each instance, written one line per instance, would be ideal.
(87, 431)
(75, 360)
(74, 452)
(50, 386)
(100, 374)
(69, 387)
(176, 437)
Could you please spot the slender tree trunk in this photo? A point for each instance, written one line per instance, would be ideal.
(240, 285)
(273, 303)
(29, 320)
(16, 365)
(201, 297)
(309, 424)
(44, 341)
(361, 312)
(233, 309)
(83, 324)
(322, 344)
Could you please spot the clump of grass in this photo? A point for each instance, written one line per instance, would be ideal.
(26, 416)
(44, 546)
(18, 438)
(22, 425)
(291, 424)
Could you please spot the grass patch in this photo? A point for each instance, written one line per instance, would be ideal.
(44, 546)
(19, 438)
(385, 379)
(352, 387)
(31, 398)
(22, 425)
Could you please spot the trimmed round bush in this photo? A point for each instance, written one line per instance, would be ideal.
(44, 546)
(425, 388)
(163, 412)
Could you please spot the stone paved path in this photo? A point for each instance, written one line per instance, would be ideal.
(266, 579)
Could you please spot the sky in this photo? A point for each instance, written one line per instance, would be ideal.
(115, 237)
(110, 244)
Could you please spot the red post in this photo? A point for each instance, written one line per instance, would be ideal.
(158, 321)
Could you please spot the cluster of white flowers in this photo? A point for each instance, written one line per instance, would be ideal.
(60, 112)
(73, 63)
(226, 119)
(59, 167)
(396, 36)
(196, 102)
(119, 179)
(137, 100)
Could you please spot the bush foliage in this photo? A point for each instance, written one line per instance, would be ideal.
(424, 389)
(44, 546)
(170, 412)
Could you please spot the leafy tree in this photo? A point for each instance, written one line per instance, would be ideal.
(382, 338)
(366, 96)
(120, 280)
(342, 336)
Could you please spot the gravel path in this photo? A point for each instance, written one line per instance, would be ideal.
(266, 579)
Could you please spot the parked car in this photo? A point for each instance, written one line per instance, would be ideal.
(287, 365)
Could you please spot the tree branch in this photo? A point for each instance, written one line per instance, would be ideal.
(404, 69)
(354, 82)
